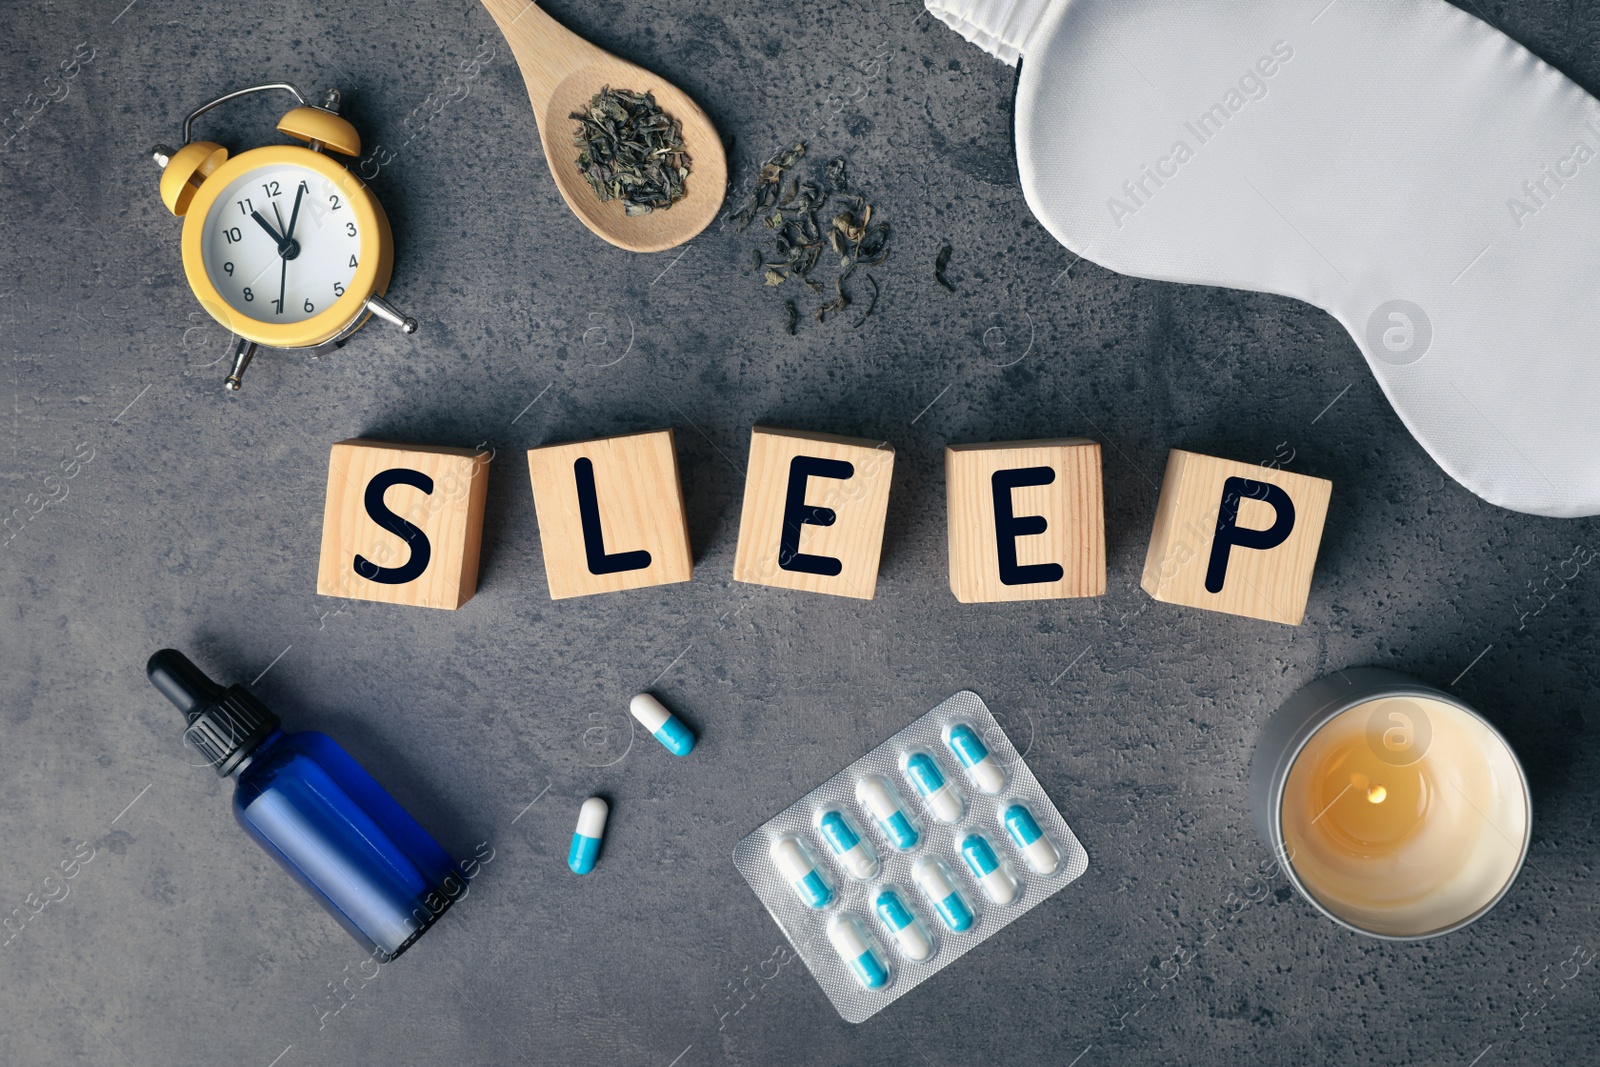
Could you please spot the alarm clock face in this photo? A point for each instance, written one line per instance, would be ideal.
(281, 243)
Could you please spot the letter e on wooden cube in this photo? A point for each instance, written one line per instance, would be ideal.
(1026, 520)
(814, 510)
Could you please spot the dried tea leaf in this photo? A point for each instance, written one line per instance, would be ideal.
(837, 304)
(941, 261)
(774, 277)
(788, 158)
(838, 180)
(873, 248)
(870, 303)
(791, 316)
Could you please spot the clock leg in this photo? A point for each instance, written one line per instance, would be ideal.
(386, 311)
(242, 352)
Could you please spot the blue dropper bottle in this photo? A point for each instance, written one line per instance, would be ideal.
(317, 812)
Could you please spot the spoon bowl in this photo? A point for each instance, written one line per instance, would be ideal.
(563, 72)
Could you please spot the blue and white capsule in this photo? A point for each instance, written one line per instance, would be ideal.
(975, 757)
(794, 864)
(995, 881)
(662, 724)
(586, 839)
(853, 854)
(903, 925)
(858, 952)
(940, 889)
(944, 800)
(878, 797)
(1036, 848)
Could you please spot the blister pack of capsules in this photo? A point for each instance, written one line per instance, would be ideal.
(903, 862)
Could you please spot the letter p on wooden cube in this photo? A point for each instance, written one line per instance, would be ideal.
(1026, 520)
(403, 524)
(611, 514)
(814, 509)
(1236, 537)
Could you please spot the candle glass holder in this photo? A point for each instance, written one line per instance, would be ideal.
(1398, 811)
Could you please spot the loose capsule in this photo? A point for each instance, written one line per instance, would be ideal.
(974, 756)
(937, 885)
(586, 839)
(858, 952)
(942, 798)
(854, 854)
(995, 881)
(789, 856)
(662, 724)
(909, 935)
(878, 798)
(1034, 846)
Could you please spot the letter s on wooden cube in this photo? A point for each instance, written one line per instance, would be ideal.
(403, 524)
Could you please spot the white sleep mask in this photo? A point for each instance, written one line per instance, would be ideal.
(1404, 166)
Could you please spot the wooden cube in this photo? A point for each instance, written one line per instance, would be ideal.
(611, 514)
(1026, 520)
(1236, 537)
(403, 524)
(814, 509)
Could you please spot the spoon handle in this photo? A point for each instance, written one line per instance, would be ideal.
(545, 50)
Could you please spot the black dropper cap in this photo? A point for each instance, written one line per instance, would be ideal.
(225, 725)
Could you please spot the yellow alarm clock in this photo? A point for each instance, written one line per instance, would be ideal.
(282, 245)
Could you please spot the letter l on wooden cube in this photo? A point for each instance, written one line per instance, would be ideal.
(611, 514)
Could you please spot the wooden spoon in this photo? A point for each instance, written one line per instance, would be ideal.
(562, 72)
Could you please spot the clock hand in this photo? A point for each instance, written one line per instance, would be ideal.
(294, 215)
(287, 249)
(265, 225)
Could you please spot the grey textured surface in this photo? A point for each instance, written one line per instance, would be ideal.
(194, 522)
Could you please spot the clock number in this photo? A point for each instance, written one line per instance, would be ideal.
(309, 307)
(229, 268)
(352, 261)
(350, 228)
(338, 288)
(335, 199)
(248, 295)
(233, 234)
(272, 188)
(245, 206)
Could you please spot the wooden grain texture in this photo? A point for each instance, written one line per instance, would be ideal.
(562, 72)
(451, 517)
(1272, 584)
(860, 505)
(1072, 506)
(640, 502)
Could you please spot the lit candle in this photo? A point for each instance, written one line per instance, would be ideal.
(1400, 811)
